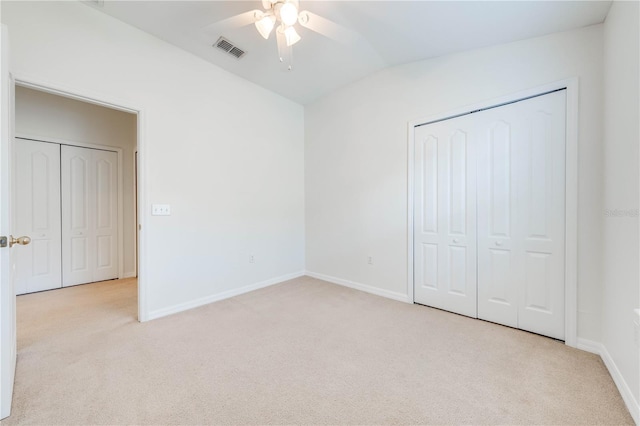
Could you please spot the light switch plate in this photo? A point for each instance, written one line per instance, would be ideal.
(161, 210)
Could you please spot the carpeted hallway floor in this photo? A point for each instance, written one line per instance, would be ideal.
(304, 351)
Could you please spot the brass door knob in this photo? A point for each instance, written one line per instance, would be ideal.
(23, 241)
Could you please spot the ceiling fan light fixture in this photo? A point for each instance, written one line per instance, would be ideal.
(288, 14)
(291, 36)
(265, 24)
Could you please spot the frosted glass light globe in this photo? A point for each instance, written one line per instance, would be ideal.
(288, 14)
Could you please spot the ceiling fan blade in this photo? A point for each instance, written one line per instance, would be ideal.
(327, 28)
(237, 21)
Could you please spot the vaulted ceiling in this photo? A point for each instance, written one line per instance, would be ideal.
(386, 33)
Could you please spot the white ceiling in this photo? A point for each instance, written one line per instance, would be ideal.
(388, 33)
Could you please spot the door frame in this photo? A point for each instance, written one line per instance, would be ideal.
(120, 178)
(108, 101)
(571, 190)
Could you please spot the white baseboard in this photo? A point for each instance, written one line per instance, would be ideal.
(129, 274)
(159, 313)
(618, 379)
(362, 287)
(589, 346)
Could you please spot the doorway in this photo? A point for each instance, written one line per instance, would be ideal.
(92, 208)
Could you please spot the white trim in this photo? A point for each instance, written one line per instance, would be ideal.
(134, 210)
(119, 152)
(129, 274)
(571, 193)
(143, 290)
(180, 307)
(589, 346)
(411, 148)
(73, 93)
(101, 99)
(362, 287)
(59, 141)
(571, 216)
(618, 379)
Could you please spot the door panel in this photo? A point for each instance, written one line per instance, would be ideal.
(7, 289)
(37, 207)
(499, 188)
(106, 214)
(542, 199)
(444, 240)
(76, 215)
(497, 216)
(89, 215)
(458, 184)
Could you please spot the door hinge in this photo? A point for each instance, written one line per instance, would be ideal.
(3, 242)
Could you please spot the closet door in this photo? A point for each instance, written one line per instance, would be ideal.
(105, 256)
(89, 215)
(499, 263)
(541, 307)
(521, 198)
(445, 216)
(37, 214)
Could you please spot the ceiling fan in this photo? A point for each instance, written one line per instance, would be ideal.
(281, 17)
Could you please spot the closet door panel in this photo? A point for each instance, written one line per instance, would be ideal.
(106, 215)
(497, 216)
(89, 215)
(444, 238)
(77, 225)
(542, 198)
(427, 239)
(37, 214)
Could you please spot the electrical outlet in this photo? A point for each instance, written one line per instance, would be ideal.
(370, 260)
(252, 259)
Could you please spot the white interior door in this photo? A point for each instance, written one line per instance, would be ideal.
(37, 214)
(521, 230)
(89, 215)
(7, 290)
(498, 240)
(445, 217)
(541, 307)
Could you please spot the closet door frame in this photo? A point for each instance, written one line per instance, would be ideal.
(119, 152)
(571, 190)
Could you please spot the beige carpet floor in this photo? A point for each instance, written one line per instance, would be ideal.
(304, 351)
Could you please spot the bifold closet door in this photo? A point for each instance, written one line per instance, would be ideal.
(445, 217)
(490, 192)
(89, 215)
(37, 214)
(521, 214)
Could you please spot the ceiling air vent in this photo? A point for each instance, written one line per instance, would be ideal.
(227, 46)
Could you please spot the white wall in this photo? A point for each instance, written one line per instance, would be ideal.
(44, 115)
(226, 154)
(621, 278)
(356, 155)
